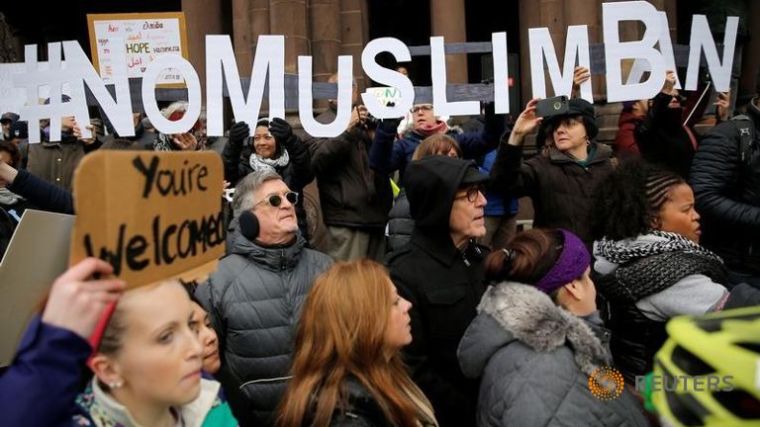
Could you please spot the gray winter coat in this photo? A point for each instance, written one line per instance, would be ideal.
(254, 300)
(535, 360)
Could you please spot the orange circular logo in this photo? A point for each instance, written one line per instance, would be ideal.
(606, 383)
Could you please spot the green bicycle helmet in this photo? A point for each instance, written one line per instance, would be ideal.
(709, 370)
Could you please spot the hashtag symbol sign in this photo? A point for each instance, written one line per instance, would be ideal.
(55, 76)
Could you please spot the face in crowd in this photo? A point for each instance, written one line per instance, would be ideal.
(264, 143)
(423, 116)
(398, 333)
(467, 218)
(150, 355)
(274, 207)
(569, 134)
(209, 340)
(678, 215)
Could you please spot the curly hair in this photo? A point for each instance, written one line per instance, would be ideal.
(628, 202)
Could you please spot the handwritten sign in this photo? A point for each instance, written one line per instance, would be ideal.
(152, 216)
(147, 36)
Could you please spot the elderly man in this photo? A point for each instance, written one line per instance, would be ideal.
(254, 298)
(441, 273)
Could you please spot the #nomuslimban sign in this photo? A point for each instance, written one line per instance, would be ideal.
(653, 54)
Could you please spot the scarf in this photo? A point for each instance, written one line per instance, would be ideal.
(258, 163)
(648, 267)
(434, 129)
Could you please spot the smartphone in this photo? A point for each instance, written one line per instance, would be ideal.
(552, 106)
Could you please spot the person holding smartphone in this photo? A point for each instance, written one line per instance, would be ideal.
(561, 179)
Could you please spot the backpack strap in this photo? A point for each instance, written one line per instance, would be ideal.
(745, 128)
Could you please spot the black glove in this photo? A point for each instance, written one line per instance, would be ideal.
(239, 132)
(390, 125)
(280, 130)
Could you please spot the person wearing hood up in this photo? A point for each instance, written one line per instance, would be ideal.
(538, 342)
(440, 271)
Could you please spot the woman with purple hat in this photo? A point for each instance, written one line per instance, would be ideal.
(538, 341)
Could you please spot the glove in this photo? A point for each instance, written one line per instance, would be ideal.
(239, 132)
(280, 130)
(390, 125)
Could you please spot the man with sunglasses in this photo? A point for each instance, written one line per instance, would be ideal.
(440, 271)
(254, 298)
(386, 157)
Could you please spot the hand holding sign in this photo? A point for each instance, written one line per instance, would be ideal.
(76, 301)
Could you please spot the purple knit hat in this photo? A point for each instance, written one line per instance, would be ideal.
(570, 265)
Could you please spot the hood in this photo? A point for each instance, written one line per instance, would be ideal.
(275, 258)
(431, 184)
(511, 312)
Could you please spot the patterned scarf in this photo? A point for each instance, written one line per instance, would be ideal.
(258, 163)
(622, 251)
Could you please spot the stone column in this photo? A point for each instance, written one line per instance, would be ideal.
(324, 16)
(289, 17)
(530, 17)
(447, 18)
(258, 14)
(589, 13)
(353, 35)
(201, 18)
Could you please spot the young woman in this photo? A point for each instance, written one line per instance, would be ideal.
(206, 334)
(347, 368)
(538, 340)
(649, 263)
(561, 179)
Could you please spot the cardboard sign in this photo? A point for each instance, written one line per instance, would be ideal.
(37, 254)
(152, 216)
(147, 36)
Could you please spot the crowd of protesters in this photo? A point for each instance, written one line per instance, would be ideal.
(425, 306)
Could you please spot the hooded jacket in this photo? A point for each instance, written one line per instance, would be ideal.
(444, 284)
(254, 300)
(535, 360)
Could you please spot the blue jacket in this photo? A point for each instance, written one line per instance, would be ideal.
(41, 384)
(496, 205)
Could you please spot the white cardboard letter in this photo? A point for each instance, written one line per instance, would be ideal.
(500, 73)
(441, 106)
(615, 50)
(666, 47)
(576, 47)
(270, 55)
(161, 123)
(391, 78)
(305, 107)
(702, 39)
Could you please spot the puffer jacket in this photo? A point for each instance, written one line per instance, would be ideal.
(560, 187)
(254, 300)
(535, 360)
(727, 193)
(400, 224)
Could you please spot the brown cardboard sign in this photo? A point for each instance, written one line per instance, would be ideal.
(152, 216)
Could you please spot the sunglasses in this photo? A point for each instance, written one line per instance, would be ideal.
(275, 200)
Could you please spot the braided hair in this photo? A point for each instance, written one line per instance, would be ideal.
(628, 203)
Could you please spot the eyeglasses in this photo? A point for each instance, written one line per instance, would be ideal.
(275, 200)
(472, 193)
(267, 137)
(423, 107)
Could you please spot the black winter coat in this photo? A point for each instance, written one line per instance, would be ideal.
(400, 224)
(727, 192)
(560, 188)
(351, 195)
(444, 285)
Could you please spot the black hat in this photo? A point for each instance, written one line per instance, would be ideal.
(577, 107)
(9, 118)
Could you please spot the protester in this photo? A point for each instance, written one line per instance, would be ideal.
(400, 223)
(6, 121)
(561, 180)
(649, 262)
(189, 141)
(387, 156)
(538, 339)
(206, 335)
(726, 177)
(440, 272)
(662, 137)
(274, 147)
(354, 199)
(631, 116)
(9, 201)
(347, 368)
(255, 296)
